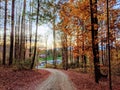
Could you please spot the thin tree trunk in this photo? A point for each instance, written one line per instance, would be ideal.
(54, 45)
(0, 26)
(77, 58)
(18, 50)
(71, 59)
(46, 49)
(62, 43)
(66, 53)
(30, 50)
(24, 37)
(4, 44)
(21, 39)
(30, 32)
(15, 50)
(102, 52)
(12, 34)
(16, 38)
(22, 43)
(35, 49)
(108, 41)
(54, 40)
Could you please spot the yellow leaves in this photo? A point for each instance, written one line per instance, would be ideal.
(78, 9)
(88, 26)
(102, 17)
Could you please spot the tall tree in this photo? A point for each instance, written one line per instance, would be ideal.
(108, 41)
(54, 44)
(46, 42)
(22, 43)
(94, 33)
(16, 34)
(35, 49)
(4, 44)
(17, 31)
(64, 51)
(30, 28)
(12, 34)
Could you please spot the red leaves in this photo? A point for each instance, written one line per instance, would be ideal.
(86, 81)
(24, 80)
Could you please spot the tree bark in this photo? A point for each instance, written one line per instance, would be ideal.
(94, 23)
(30, 32)
(108, 41)
(12, 34)
(4, 44)
(54, 45)
(64, 51)
(35, 49)
(46, 49)
(16, 38)
(22, 43)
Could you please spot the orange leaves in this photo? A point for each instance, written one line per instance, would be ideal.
(71, 13)
(112, 25)
(71, 1)
(95, 26)
(118, 25)
(75, 16)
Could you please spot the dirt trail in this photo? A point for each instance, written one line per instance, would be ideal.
(56, 81)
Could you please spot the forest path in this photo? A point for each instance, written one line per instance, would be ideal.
(56, 81)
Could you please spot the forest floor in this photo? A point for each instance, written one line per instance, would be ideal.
(52, 79)
(84, 81)
(21, 80)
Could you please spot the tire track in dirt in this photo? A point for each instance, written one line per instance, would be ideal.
(56, 81)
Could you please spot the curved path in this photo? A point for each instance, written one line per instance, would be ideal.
(56, 81)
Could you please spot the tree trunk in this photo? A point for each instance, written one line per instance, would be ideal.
(64, 52)
(18, 47)
(78, 57)
(24, 33)
(12, 34)
(46, 49)
(108, 41)
(22, 44)
(35, 49)
(54, 45)
(71, 55)
(4, 44)
(30, 32)
(16, 38)
(94, 22)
